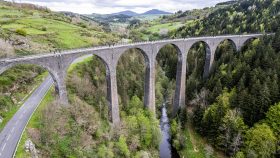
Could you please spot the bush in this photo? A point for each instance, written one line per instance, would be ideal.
(83, 25)
(44, 28)
(122, 146)
(21, 32)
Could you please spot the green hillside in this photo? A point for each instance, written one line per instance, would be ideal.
(243, 16)
(30, 29)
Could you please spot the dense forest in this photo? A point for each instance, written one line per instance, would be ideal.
(243, 16)
(236, 107)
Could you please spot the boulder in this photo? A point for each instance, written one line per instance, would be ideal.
(30, 147)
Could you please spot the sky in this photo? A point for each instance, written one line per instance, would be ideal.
(113, 6)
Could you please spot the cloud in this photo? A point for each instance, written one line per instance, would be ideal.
(111, 6)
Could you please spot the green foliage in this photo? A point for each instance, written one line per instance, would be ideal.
(103, 151)
(273, 119)
(44, 28)
(15, 85)
(260, 142)
(252, 16)
(130, 76)
(144, 125)
(195, 60)
(83, 129)
(167, 58)
(231, 132)
(212, 118)
(21, 32)
(48, 31)
(122, 147)
(276, 41)
(253, 81)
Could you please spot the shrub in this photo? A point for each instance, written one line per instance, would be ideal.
(122, 146)
(44, 28)
(21, 32)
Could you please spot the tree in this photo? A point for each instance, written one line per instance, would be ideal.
(260, 142)
(122, 146)
(135, 104)
(103, 151)
(273, 119)
(145, 130)
(212, 117)
(273, 88)
(216, 91)
(231, 133)
(276, 41)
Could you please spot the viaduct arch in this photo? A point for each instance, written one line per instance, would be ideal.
(57, 65)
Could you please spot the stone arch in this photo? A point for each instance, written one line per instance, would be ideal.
(179, 50)
(232, 42)
(80, 57)
(50, 70)
(232, 47)
(241, 41)
(209, 55)
(112, 97)
(142, 52)
(179, 96)
(147, 68)
(246, 41)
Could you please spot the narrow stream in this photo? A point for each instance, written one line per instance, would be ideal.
(166, 150)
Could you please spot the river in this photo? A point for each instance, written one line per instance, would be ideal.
(166, 150)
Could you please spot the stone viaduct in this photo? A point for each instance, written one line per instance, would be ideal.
(57, 65)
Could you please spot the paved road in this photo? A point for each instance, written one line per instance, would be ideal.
(10, 135)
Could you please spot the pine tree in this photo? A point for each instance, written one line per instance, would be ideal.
(274, 89)
(276, 41)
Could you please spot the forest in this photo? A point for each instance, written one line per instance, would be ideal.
(237, 107)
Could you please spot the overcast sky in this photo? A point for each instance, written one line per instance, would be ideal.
(112, 6)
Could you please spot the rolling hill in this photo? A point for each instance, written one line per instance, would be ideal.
(29, 29)
(127, 12)
(149, 12)
(156, 12)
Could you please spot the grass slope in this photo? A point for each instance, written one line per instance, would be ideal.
(44, 30)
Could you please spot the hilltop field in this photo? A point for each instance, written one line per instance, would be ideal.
(29, 29)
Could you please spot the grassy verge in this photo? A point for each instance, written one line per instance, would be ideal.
(197, 146)
(194, 145)
(8, 115)
(34, 122)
